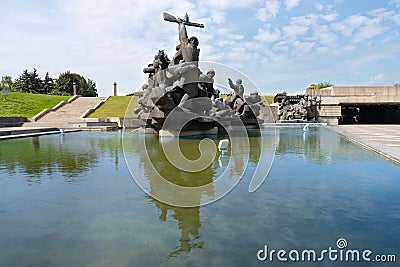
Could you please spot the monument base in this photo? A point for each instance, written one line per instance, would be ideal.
(170, 133)
(294, 121)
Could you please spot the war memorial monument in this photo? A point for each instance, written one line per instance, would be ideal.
(179, 89)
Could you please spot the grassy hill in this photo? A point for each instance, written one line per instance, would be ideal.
(27, 105)
(116, 106)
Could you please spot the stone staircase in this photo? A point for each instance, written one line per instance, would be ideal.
(67, 115)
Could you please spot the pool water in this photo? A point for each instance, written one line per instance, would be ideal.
(71, 201)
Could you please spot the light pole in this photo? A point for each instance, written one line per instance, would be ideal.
(115, 88)
(74, 87)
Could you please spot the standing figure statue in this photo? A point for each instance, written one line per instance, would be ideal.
(208, 84)
(301, 108)
(190, 52)
(188, 55)
(314, 109)
(187, 49)
(238, 87)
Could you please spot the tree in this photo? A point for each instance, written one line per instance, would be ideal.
(29, 82)
(64, 85)
(48, 84)
(7, 83)
(87, 88)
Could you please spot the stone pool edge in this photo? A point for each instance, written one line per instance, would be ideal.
(383, 150)
(20, 132)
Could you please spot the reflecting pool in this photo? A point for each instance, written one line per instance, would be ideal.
(71, 201)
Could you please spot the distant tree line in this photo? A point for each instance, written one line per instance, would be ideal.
(30, 82)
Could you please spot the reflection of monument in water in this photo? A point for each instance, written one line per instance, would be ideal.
(188, 218)
(179, 86)
(146, 161)
(188, 223)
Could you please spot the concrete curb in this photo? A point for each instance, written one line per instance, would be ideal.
(59, 105)
(41, 114)
(90, 110)
(22, 132)
(73, 98)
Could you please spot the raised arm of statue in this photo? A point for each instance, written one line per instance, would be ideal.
(238, 87)
(183, 37)
(231, 85)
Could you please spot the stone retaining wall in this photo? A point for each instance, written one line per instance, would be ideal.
(12, 121)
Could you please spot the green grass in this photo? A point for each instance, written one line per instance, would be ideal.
(27, 105)
(116, 106)
(269, 98)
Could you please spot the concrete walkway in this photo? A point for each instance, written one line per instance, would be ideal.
(384, 139)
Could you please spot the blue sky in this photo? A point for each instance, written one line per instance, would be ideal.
(280, 45)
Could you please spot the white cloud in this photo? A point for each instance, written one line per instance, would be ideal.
(351, 23)
(396, 19)
(235, 37)
(218, 17)
(306, 20)
(222, 31)
(319, 6)
(293, 31)
(323, 50)
(325, 36)
(303, 47)
(269, 10)
(292, 3)
(268, 36)
(121, 37)
(395, 3)
(281, 46)
(379, 79)
(225, 43)
(326, 7)
(369, 30)
(330, 17)
(226, 4)
(385, 15)
(382, 13)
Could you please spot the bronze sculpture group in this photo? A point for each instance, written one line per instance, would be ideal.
(171, 83)
(303, 109)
